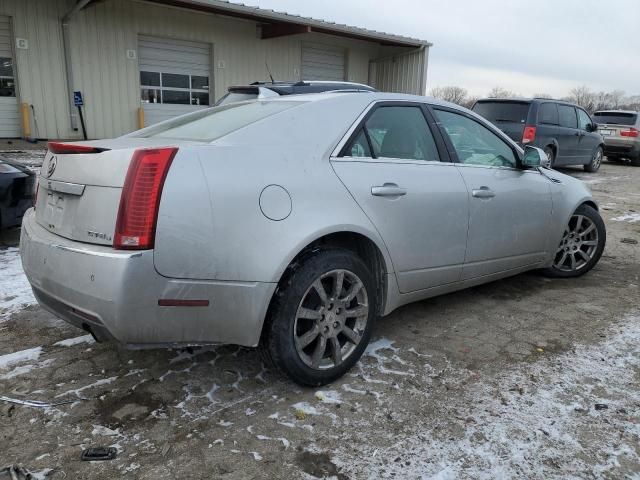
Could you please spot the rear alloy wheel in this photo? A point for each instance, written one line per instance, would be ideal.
(548, 150)
(581, 246)
(322, 317)
(596, 160)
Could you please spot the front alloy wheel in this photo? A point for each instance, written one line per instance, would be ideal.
(321, 317)
(581, 246)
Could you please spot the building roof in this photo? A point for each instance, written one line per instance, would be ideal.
(282, 23)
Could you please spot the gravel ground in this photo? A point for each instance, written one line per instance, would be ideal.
(521, 378)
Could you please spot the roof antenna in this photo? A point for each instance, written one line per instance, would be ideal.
(269, 71)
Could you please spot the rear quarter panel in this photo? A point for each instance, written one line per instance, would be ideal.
(210, 224)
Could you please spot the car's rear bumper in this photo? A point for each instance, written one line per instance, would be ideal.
(114, 294)
(614, 146)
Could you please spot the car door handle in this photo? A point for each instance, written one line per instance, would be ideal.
(388, 190)
(483, 192)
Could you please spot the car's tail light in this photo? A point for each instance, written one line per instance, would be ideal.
(529, 134)
(70, 149)
(632, 132)
(140, 199)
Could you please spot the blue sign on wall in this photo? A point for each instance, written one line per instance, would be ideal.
(77, 99)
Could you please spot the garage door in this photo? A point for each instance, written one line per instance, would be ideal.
(174, 77)
(9, 119)
(322, 62)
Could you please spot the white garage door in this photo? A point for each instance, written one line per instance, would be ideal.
(9, 118)
(322, 62)
(174, 77)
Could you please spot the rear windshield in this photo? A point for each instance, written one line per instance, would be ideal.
(614, 118)
(513, 112)
(213, 123)
(234, 97)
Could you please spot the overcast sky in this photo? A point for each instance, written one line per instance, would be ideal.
(545, 46)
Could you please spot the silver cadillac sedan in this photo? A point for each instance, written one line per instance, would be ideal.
(293, 223)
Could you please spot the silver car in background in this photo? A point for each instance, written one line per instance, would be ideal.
(293, 223)
(620, 130)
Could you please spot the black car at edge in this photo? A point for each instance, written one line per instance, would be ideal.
(17, 192)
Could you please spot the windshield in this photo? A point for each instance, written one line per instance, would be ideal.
(514, 112)
(213, 123)
(615, 118)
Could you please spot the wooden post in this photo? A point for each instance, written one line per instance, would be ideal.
(26, 120)
(140, 117)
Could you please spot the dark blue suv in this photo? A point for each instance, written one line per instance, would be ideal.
(566, 132)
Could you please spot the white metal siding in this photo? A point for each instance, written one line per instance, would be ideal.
(101, 34)
(164, 55)
(9, 118)
(323, 62)
(402, 73)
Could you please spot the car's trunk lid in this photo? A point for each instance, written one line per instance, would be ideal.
(79, 193)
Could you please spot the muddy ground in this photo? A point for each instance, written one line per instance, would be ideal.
(526, 377)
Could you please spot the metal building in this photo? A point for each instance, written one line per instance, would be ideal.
(142, 61)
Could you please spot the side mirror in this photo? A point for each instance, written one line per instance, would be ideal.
(535, 157)
(593, 127)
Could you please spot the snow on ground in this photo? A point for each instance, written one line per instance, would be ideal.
(628, 217)
(558, 415)
(70, 342)
(19, 357)
(15, 291)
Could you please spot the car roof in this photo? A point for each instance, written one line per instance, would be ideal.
(617, 111)
(374, 96)
(289, 88)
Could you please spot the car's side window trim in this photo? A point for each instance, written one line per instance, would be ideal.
(443, 152)
(452, 151)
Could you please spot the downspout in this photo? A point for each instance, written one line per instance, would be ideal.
(66, 45)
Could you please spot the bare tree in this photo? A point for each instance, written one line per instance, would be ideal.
(542, 95)
(584, 97)
(499, 92)
(470, 102)
(451, 94)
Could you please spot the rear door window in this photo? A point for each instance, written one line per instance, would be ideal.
(395, 132)
(548, 114)
(502, 112)
(567, 116)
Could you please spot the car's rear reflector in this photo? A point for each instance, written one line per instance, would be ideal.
(529, 134)
(140, 199)
(631, 132)
(70, 149)
(169, 302)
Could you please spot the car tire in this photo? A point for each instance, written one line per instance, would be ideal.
(303, 320)
(551, 155)
(588, 236)
(635, 161)
(596, 160)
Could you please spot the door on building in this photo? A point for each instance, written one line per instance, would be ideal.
(9, 117)
(175, 77)
(323, 62)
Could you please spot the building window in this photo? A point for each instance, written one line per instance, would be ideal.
(7, 81)
(173, 88)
